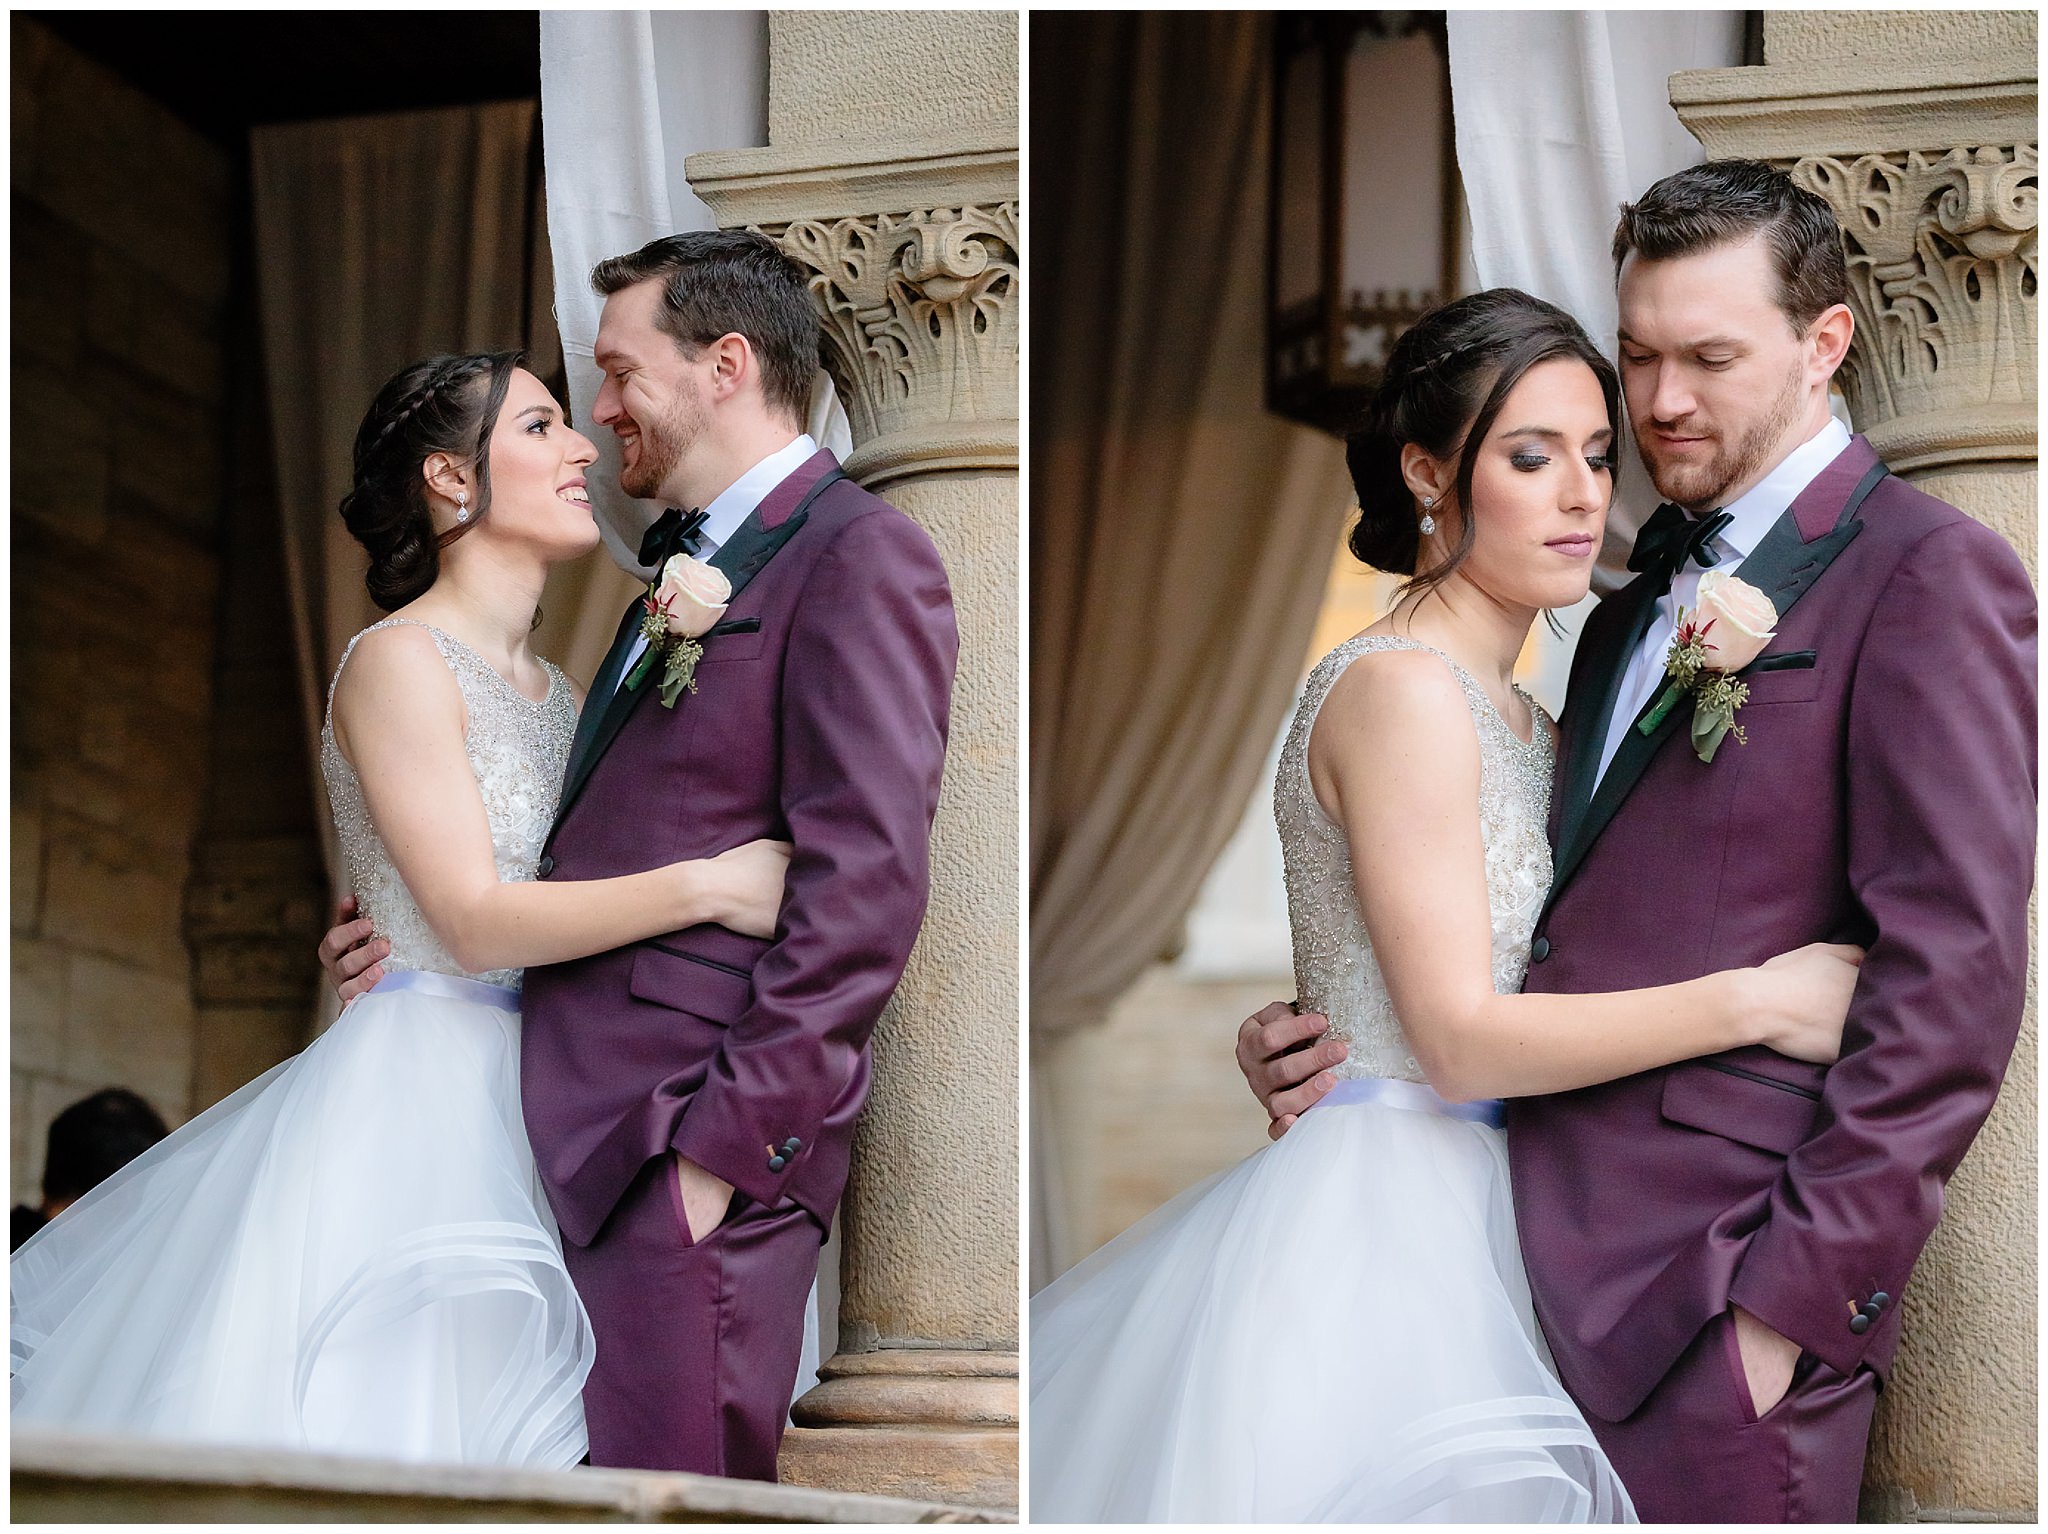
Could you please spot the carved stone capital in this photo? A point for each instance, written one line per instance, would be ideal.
(1942, 252)
(921, 333)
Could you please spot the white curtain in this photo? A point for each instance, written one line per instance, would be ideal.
(626, 97)
(1561, 117)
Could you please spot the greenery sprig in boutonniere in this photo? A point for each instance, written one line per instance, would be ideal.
(1728, 630)
(682, 605)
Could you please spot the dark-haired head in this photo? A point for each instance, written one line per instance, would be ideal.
(1731, 289)
(1445, 383)
(443, 405)
(93, 1139)
(723, 282)
(1723, 202)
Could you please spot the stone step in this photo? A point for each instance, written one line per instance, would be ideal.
(81, 1478)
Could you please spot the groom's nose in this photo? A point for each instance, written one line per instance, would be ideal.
(1671, 397)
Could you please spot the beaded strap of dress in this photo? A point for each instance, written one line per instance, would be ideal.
(1336, 972)
(518, 749)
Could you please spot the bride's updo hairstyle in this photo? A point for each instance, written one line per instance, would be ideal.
(442, 405)
(1445, 383)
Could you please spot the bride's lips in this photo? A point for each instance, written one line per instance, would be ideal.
(1573, 545)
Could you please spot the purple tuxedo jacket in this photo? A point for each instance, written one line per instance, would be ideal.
(1885, 797)
(820, 719)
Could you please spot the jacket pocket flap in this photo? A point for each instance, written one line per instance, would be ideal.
(1770, 1116)
(669, 977)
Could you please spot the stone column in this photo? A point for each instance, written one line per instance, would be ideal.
(1920, 130)
(891, 176)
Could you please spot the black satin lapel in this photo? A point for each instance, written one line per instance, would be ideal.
(740, 558)
(1631, 759)
(1589, 723)
(746, 554)
(1784, 567)
(603, 689)
(611, 717)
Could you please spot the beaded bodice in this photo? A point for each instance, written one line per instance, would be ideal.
(519, 751)
(1335, 971)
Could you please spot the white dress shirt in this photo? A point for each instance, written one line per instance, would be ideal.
(1753, 513)
(732, 506)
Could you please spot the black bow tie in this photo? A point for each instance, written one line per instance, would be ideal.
(1671, 537)
(674, 532)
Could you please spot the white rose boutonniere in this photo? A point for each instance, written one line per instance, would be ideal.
(1728, 630)
(682, 604)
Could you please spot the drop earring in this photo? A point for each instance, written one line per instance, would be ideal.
(1428, 521)
(462, 505)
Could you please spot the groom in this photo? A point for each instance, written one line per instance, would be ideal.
(691, 1099)
(1718, 1249)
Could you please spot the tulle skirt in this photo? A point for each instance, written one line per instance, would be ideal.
(1337, 1329)
(352, 1254)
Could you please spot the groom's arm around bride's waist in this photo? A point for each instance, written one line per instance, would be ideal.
(867, 683)
(1940, 766)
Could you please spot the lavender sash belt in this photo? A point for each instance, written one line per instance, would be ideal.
(448, 987)
(1413, 1097)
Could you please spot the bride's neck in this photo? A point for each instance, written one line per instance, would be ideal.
(488, 597)
(1479, 632)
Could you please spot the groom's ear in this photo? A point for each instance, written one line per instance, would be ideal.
(733, 365)
(1830, 334)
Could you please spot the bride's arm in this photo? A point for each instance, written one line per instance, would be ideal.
(1394, 760)
(399, 719)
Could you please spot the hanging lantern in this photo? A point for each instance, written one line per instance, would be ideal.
(1365, 203)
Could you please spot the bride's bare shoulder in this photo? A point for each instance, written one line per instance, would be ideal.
(1400, 689)
(393, 674)
(1396, 719)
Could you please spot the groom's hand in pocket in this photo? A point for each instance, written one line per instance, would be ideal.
(1768, 1359)
(1286, 1061)
(706, 1198)
(351, 951)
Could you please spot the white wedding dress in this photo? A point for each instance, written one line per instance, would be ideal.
(352, 1254)
(1337, 1329)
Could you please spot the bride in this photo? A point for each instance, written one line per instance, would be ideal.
(352, 1253)
(1412, 797)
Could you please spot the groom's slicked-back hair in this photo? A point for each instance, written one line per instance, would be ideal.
(717, 282)
(1723, 201)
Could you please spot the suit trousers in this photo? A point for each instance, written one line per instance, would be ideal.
(698, 1342)
(1696, 1451)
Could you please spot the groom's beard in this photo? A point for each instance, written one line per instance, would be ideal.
(1706, 484)
(663, 445)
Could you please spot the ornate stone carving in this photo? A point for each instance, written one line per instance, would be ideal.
(921, 333)
(1943, 282)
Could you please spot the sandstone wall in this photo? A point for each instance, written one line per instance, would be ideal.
(120, 291)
